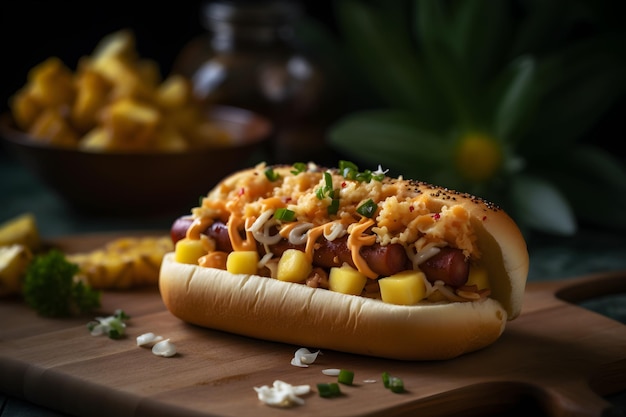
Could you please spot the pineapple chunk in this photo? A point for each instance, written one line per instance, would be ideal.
(14, 259)
(124, 263)
(478, 276)
(346, 280)
(242, 262)
(293, 266)
(403, 288)
(188, 251)
(22, 230)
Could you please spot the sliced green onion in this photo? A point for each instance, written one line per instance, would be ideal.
(385, 378)
(271, 174)
(284, 214)
(343, 165)
(396, 384)
(327, 189)
(393, 383)
(328, 390)
(365, 176)
(328, 181)
(378, 176)
(348, 169)
(367, 209)
(319, 193)
(121, 314)
(298, 167)
(345, 377)
(333, 208)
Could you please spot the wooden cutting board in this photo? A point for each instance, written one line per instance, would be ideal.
(558, 355)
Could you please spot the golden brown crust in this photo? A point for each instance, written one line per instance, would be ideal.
(269, 309)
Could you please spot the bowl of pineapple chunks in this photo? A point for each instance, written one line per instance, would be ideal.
(113, 136)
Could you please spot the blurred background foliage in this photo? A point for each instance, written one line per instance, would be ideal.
(501, 99)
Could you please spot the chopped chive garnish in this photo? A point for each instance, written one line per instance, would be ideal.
(328, 183)
(328, 390)
(350, 171)
(284, 214)
(345, 377)
(393, 383)
(378, 176)
(333, 208)
(396, 384)
(385, 378)
(271, 174)
(298, 167)
(367, 209)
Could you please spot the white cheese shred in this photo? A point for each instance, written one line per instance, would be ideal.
(331, 372)
(304, 357)
(282, 394)
(164, 348)
(147, 339)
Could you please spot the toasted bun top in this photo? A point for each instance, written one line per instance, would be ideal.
(414, 213)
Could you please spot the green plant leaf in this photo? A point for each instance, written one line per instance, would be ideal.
(381, 45)
(482, 48)
(435, 27)
(595, 184)
(392, 139)
(516, 102)
(344, 80)
(541, 206)
(575, 88)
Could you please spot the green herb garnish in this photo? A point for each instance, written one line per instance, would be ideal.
(113, 326)
(284, 214)
(51, 289)
(393, 383)
(328, 191)
(328, 390)
(367, 209)
(333, 207)
(345, 377)
(350, 171)
(271, 174)
(298, 167)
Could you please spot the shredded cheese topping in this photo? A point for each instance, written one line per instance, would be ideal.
(328, 209)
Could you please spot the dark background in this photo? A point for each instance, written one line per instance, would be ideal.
(31, 31)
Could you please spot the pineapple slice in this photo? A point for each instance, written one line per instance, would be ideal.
(188, 251)
(242, 262)
(478, 276)
(293, 266)
(124, 263)
(403, 288)
(346, 280)
(21, 230)
(14, 260)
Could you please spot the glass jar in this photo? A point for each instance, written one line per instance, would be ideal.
(249, 58)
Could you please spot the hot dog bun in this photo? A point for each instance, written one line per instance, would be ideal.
(294, 313)
(269, 309)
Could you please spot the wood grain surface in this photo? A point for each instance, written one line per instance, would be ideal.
(562, 356)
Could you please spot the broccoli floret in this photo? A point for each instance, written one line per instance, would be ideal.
(51, 289)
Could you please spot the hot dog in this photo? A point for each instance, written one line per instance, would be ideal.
(347, 260)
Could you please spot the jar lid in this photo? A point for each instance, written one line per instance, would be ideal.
(250, 12)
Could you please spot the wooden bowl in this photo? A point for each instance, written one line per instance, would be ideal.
(141, 183)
